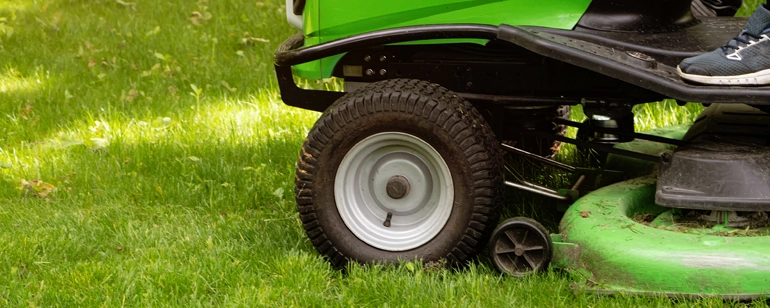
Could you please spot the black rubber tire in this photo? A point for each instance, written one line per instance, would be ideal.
(430, 112)
(530, 236)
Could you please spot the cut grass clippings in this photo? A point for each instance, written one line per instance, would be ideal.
(146, 160)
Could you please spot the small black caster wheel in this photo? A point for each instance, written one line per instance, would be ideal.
(520, 246)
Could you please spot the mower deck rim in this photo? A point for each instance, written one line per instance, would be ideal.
(615, 254)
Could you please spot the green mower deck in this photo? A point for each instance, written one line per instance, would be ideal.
(611, 252)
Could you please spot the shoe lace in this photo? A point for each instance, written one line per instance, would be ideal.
(743, 39)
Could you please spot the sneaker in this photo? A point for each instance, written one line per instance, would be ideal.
(745, 60)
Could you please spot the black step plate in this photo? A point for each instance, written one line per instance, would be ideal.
(636, 67)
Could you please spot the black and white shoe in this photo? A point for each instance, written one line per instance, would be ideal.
(745, 60)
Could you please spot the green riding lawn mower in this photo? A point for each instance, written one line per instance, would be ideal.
(408, 162)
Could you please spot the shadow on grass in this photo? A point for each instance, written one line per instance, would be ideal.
(68, 61)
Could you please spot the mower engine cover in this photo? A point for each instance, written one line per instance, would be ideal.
(724, 166)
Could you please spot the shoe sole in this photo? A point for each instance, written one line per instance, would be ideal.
(753, 79)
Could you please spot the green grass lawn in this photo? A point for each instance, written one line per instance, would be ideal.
(146, 160)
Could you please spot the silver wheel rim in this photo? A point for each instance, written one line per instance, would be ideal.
(369, 185)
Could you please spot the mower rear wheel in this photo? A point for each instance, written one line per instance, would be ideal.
(399, 170)
(520, 246)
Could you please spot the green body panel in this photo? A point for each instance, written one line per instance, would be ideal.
(313, 70)
(343, 18)
(327, 20)
(610, 252)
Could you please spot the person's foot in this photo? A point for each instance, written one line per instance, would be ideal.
(745, 60)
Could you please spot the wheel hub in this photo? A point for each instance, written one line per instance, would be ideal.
(394, 191)
(398, 187)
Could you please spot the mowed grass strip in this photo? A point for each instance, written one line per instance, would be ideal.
(146, 160)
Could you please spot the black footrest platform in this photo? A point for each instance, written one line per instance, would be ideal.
(629, 65)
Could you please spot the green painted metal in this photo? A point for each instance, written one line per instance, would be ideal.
(610, 252)
(342, 18)
(617, 254)
(327, 20)
(311, 21)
